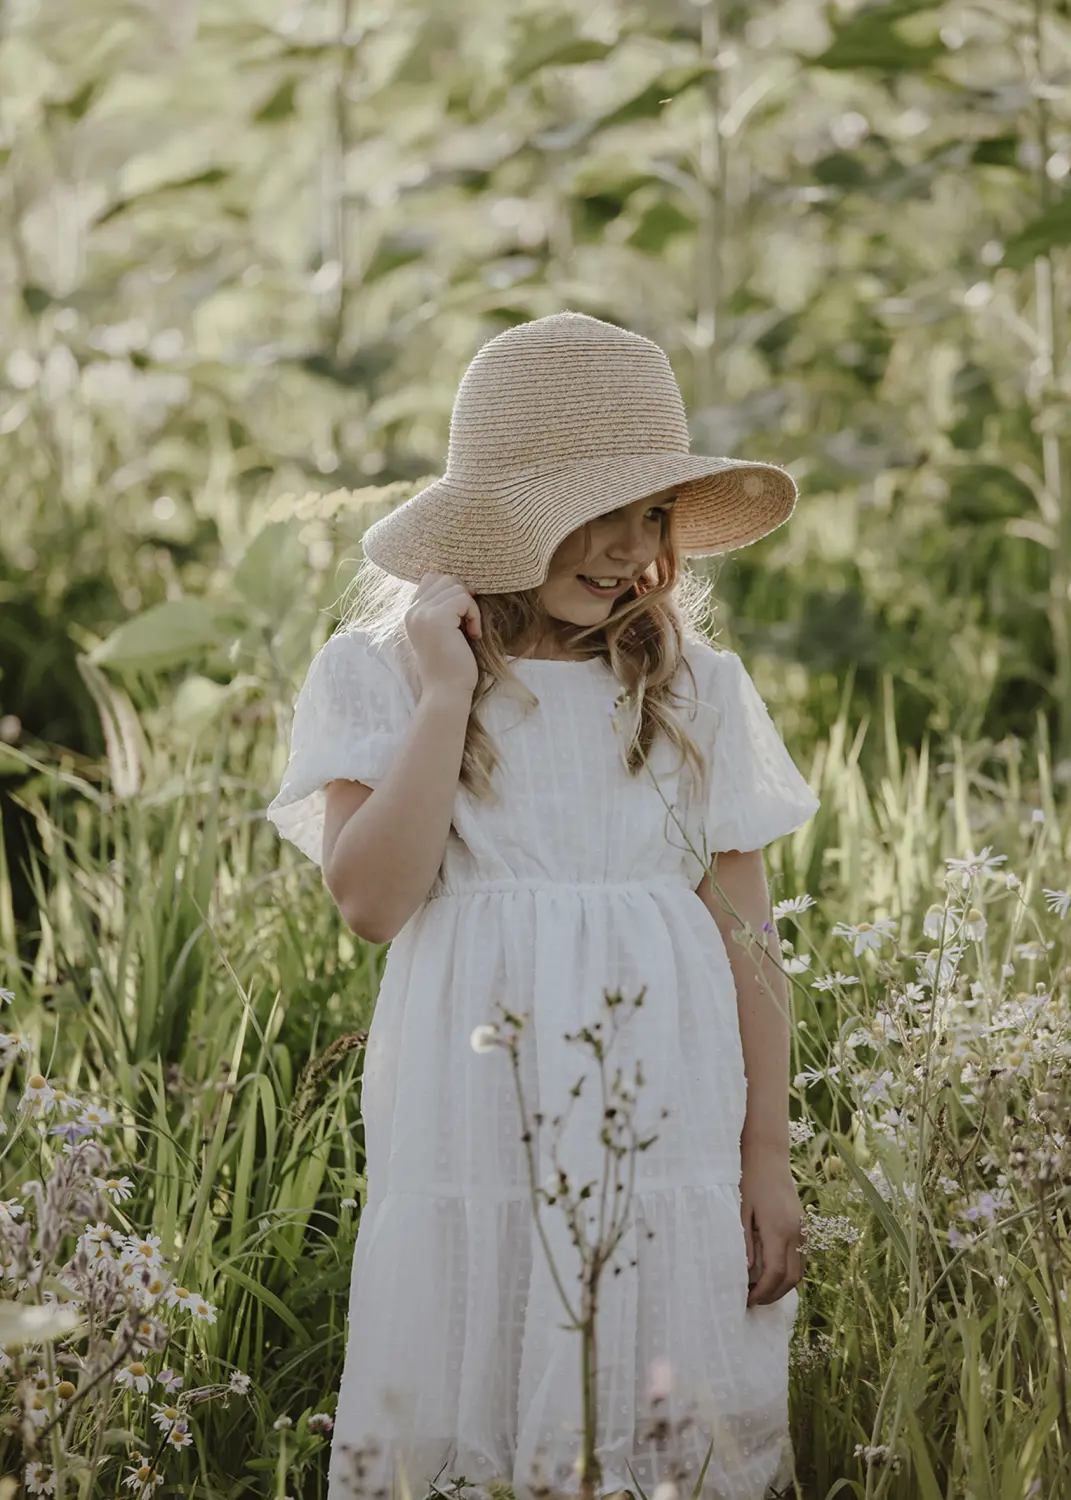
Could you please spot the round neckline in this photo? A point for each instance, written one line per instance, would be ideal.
(558, 661)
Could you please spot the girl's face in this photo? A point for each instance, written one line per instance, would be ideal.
(624, 544)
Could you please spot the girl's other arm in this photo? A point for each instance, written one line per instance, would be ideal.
(382, 849)
(761, 995)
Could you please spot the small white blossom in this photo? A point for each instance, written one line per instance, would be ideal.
(977, 864)
(39, 1095)
(134, 1376)
(165, 1417)
(119, 1189)
(6, 996)
(934, 921)
(793, 906)
(239, 1382)
(797, 963)
(1058, 901)
(1030, 952)
(203, 1311)
(866, 934)
(975, 925)
(11, 1046)
(484, 1038)
(143, 1477)
(830, 981)
(815, 1075)
(143, 1251)
(40, 1479)
(949, 962)
(179, 1296)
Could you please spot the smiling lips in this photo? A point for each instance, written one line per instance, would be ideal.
(618, 587)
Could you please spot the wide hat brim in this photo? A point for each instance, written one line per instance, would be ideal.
(502, 540)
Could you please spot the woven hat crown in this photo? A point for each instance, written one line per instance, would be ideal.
(556, 422)
(562, 390)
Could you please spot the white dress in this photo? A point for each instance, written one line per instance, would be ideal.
(577, 881)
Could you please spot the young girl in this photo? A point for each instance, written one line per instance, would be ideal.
(478, 793)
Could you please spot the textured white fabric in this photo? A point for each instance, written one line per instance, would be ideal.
(576, 881)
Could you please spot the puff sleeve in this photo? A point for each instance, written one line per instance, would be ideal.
(755, 792)
(349, 720)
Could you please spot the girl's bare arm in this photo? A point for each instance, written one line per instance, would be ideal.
(382, 849)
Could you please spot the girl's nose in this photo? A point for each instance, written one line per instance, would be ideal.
(631, 542)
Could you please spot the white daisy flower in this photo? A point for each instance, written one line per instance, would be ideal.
(793, 906)
(866, 934)
(40, 1479)
(134, 1376)
(984, 863)
(1057, 901)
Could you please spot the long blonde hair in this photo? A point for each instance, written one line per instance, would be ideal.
(642, 640)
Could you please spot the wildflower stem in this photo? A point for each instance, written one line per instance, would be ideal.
(533, 1184)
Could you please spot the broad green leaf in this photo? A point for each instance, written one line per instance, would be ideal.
(176, 631)
(555, 46)
(271, 569)
(872, 39)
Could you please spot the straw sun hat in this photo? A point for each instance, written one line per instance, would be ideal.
(556, 422)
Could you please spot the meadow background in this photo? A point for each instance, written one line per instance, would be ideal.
(247, 250)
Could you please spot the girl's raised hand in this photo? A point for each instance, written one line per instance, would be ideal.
(441, 618)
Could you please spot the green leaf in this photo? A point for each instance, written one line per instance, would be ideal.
(998, 151)
(397, 249)
(875, 1200)
(841, 169)
(650, 101)
(270, 570)
(35, 299)
(555, 46)
(280, 105)
(870, 39)
(162, 636)
(80, 101)
(1053, 227)
(211, 177)
(262, 1294)
(926, 1479)
(659, 224)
